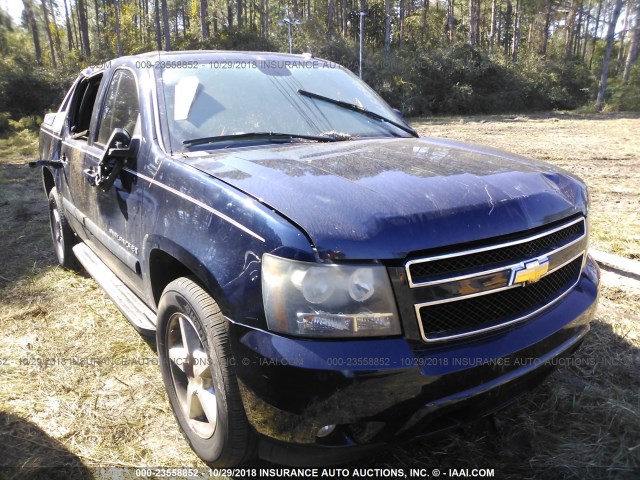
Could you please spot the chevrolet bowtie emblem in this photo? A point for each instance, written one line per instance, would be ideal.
(529, 272)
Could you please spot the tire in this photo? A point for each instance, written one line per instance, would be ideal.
(61, 233)
(200, 379)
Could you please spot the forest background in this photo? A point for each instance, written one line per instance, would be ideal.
(424, 57)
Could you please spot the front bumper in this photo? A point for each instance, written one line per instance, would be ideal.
(383, 390)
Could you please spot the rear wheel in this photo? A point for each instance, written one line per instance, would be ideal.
(198, 372)
(61, 233)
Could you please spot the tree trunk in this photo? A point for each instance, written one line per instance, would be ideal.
(623, 36)
(33, 26)
(586, 32)
(450, 19)
(68, 22)
(595, 34)
(175, 24)
(632, 56)
(402, 7)
(165, 26)
(423, 20)
(105, 20)
(266, 19)
(472, 23)
(492, 35)
(239, 13)
(116, 5)
(76, 20)
(57, 33)
(516, 32)
(204, 20)
(571, 21)
(156, 7)
(508, 28)
(145, 13)
(578, 30)
(345, 19)
(148, 22)
(75, 23)
(387, 26)
(477, 20)
(95, 6)
(607, 55)
(54, 30)
(330, 14)
(185, 21)
(84, 27)
(48, 29)
(545, 34)
(499, 27)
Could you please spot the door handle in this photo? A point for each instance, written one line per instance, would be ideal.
(46, 163)
(91, 176)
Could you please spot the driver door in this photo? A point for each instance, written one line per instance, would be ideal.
(113, 214)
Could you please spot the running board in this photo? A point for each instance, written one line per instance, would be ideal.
(139, 315)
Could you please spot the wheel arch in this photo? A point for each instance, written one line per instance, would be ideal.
(167, 261)
(48, 181)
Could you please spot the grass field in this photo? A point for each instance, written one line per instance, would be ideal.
(79, 386)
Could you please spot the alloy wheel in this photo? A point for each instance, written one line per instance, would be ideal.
(191, 375)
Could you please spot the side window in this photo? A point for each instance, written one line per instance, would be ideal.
(82, 107)
(121, 108)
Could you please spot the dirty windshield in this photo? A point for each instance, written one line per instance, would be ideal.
(220, 99)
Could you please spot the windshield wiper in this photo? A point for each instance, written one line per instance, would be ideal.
(356, 108)
(259, 136)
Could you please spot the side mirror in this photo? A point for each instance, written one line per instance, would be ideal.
(119, 144)
(399, 113)
(119, 149)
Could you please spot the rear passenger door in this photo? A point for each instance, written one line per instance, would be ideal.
(113, 215)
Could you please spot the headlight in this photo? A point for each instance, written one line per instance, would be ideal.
(310, 299)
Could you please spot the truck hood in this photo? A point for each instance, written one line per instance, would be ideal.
(390, 198)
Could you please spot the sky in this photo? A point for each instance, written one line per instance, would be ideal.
(14, 8)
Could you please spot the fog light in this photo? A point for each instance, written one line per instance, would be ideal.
(325, 431)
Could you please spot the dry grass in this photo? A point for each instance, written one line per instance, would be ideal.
(106, 406)
(78, 384)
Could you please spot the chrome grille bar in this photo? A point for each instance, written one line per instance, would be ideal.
(561, 263)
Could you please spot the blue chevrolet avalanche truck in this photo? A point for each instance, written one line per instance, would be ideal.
(320, 280)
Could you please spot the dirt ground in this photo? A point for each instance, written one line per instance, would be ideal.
(79, 387)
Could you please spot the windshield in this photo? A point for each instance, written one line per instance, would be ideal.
(222, 98)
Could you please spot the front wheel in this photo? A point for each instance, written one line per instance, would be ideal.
(61, 233)
(195, 361)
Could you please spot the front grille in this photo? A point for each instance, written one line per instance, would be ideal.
(423, 271)
(478, 290)
(477, 313)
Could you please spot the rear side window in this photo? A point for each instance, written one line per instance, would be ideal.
(121, 108)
